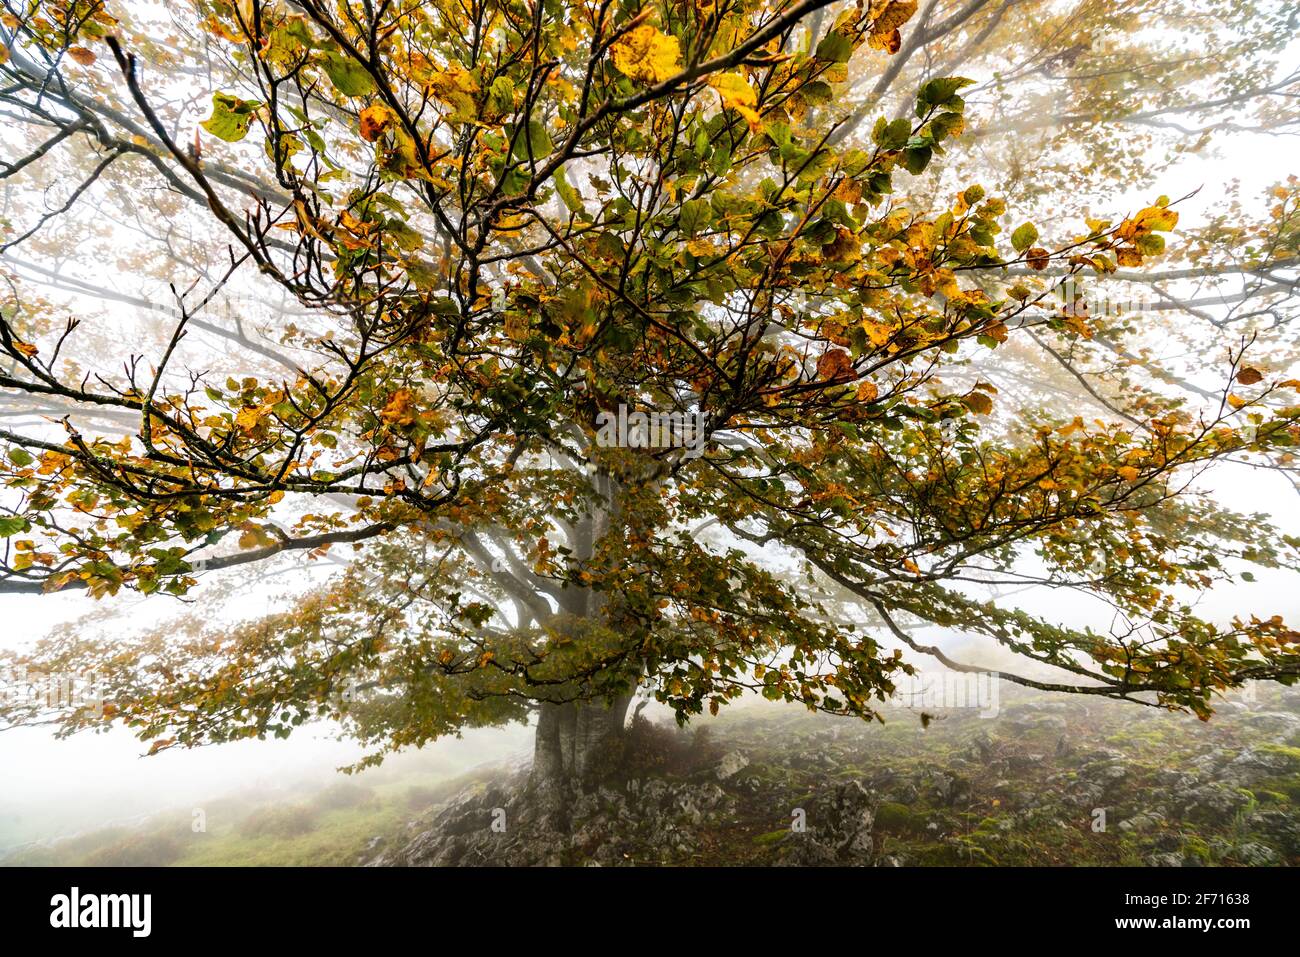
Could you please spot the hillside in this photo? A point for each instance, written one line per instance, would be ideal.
(1027, 787)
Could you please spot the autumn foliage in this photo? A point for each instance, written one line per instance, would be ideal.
(495, 221)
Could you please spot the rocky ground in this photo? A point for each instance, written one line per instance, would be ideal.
(1049, 781)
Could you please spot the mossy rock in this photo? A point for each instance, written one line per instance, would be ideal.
(950, 855)
(1292, 755)
(898, 818)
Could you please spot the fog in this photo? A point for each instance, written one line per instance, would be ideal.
(55, 788)
(52, 788)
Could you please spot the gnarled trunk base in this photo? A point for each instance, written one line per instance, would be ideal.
(573, 742)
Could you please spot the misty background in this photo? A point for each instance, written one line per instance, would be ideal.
(51, 788)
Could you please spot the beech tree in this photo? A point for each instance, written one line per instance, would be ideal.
(494, 226)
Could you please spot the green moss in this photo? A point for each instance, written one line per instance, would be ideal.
(946, 854)
(1292, 755)
(892, 816)
(1197, 847)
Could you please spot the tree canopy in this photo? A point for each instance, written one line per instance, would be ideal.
(492, 225)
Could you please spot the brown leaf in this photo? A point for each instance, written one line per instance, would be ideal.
(1249, 376)
(833, 364)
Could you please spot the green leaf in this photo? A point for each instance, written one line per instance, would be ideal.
(1152, 244)
(502, 94)
(1024, 237)
(942, 91)
(916, 159)
(892, 136)
(13, 525)
(536, 142)
(817, 92)
(406, 238)
(943, 125)
(835, 47)
(696, 214)
(348, 76)
(567, 193)
(20, 457)
(230, 117)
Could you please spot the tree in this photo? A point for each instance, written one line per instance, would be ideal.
(620, 354)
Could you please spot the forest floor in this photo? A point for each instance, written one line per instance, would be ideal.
(1048, 781)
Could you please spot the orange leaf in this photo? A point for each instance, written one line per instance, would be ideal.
(374, 120)
(400, 408)
(833, 364)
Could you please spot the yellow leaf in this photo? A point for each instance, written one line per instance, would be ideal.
(1153, 219)
(645, 54)
(877, 332)
(889, 16)
(455, 87)
(1158, 218)
(400, 409)
(248, 418)
(1128, 473)
(737, 95)
(517, 326)
(374, 120)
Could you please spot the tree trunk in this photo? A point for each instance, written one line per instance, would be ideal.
(571, 740)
